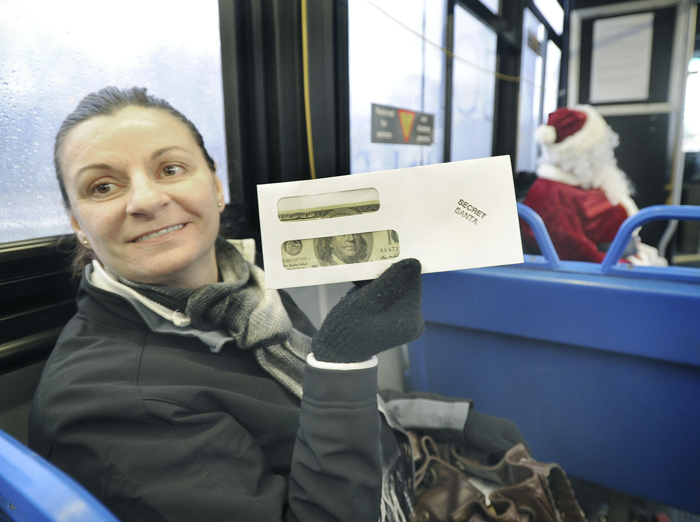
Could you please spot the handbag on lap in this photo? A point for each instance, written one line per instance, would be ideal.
(453, 485)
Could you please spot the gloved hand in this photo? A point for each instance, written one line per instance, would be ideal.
(492, 436)
(373, 317)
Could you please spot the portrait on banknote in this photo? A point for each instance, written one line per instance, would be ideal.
(343, 249)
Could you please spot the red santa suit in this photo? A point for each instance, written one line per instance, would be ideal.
(578, 220)
(581, 194)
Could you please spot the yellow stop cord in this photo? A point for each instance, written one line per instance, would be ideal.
(307, 96)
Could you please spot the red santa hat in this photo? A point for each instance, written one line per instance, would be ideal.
(570, 132)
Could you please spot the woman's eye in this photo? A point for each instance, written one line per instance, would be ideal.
(102, 188)
(172, 170)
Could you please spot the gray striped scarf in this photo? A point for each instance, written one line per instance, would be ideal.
(242, 305)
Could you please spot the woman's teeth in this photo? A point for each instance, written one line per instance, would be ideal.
(159, 233)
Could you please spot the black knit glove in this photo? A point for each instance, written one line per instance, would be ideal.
(373, 317)
(492, 436)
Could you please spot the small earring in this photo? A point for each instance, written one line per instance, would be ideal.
(86, 242)
(220, 205)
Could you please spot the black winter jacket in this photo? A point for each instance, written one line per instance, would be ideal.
(159, 428)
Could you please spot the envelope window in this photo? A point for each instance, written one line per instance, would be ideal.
(328, 205)
(346, 249)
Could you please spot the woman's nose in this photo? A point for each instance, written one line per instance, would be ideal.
(146, 196)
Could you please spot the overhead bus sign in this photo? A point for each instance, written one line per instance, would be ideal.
(394, 125)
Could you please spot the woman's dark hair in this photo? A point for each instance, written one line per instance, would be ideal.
(106, 102)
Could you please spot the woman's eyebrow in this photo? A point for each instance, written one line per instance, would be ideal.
(102, 166)
(162, 151)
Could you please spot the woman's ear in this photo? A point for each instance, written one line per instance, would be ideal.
(219, 193)
(75, 225)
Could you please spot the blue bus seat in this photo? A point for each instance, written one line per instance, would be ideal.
(34, 490)
(598, 364)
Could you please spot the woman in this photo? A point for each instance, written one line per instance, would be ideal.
(175, 393)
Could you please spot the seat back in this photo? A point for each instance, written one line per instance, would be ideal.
(597, 363)
(34, 490)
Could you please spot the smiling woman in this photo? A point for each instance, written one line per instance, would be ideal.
(140, 188)
(142, 196)
(184, 389)
(175, 393)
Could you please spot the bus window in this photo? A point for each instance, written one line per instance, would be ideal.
(396, 60)
(53, 55)
(529, 117)
(474, 86)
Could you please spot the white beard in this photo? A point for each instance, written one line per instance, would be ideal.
(596, 168)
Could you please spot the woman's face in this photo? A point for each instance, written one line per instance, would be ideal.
(143, 197)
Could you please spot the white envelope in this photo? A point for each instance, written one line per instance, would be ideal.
(449, 216)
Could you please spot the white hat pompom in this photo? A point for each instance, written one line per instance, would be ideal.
(546, 134)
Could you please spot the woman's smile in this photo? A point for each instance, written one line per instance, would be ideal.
(159, 233)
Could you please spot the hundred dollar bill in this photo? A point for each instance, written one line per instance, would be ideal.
(328, 212)
(346, 249)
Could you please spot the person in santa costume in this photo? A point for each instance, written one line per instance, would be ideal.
(580, 193)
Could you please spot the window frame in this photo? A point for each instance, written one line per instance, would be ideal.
(550, 35)
(508, 27)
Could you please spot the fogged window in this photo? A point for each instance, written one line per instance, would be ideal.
(531, 64)
(553, 13)
(474, 87)
(395, 60)
(551, 80)
(54, 53)
(538, 88)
